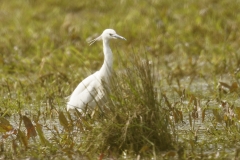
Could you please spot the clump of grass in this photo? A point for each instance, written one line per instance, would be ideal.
(134, 120)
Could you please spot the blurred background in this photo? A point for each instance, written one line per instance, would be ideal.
(33, 31)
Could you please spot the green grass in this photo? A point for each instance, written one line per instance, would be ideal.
(167, 79)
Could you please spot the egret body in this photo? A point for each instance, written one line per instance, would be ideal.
(92, 90)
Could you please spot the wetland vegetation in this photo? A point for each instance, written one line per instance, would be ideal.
(175, 93)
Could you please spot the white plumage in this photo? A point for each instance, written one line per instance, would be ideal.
(92, 90)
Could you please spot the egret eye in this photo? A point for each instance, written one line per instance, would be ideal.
(110, 34)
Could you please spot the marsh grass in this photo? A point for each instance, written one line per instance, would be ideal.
(140, 127)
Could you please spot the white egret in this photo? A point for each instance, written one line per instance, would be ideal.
(92, 90)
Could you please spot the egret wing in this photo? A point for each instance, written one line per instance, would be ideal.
(86, 93)
(84, 99)
(84, 84)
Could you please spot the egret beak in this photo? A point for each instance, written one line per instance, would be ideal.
(117, 36)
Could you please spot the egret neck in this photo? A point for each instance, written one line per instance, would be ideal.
(106, 69)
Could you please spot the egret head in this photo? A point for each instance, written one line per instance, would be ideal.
(107, 35)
